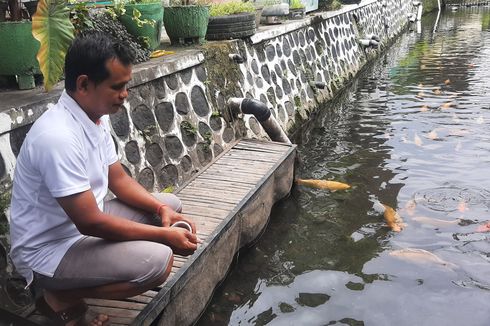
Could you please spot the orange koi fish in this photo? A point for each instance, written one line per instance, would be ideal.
(323, 184)
(392, 218)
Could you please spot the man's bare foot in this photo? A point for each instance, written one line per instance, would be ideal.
(57, 304)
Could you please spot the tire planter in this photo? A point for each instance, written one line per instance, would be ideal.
(19, 57)
(186, 24)
(150, 11)
(231, 26)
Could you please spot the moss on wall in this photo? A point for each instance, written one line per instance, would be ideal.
(223, 74)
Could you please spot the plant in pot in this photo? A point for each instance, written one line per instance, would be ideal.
(143, 19)
(18, 53)
(296, 9)
(229, 20)
(186, 21)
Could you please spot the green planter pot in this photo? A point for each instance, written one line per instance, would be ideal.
(186, 24)
(148, 11)
(19, 57)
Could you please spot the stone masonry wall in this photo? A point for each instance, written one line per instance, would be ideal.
(176, 121)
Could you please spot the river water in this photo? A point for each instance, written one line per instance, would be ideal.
(412, 133)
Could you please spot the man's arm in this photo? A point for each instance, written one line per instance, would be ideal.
(83, 211)
(132, 193)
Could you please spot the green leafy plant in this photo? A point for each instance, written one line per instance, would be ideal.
(52, 27)
(80, 16)
(174, 3)
(296, 4)
(230, 8)
(118, 10)
(336, 4)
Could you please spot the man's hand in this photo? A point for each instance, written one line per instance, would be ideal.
(181, 241)
(169, 217)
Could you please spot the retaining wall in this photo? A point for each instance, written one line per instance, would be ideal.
(176, 120)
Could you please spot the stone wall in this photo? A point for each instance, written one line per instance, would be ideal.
(176, 121)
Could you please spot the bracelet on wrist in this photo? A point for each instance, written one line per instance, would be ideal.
(159, 209)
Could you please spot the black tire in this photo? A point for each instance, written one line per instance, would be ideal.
(229, 36)
(230, 27)
(243, 17)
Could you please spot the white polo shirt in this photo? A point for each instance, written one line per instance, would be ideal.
(64, 153)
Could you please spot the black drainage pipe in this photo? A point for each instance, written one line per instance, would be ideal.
(262, 114)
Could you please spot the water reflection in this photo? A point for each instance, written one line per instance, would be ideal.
(411, 133)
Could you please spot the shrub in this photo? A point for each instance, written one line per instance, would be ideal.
(296, 4)
(231, 8)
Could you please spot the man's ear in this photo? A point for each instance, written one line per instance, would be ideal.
(82, 83)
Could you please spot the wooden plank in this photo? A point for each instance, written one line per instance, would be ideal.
(261, 147)
(222, 197)
(204, 205)
(178, 264)
(250, 159)
(140, 298)
(115, 312)
(247, 156)
(257, 150)
(198, 209)
(225, 164)
(211, 177)
(261, 151)
(231, 159)
(209, 201)
(237, 173)
(217, 183)
(260, 143)
(233, 193)
(115, 304)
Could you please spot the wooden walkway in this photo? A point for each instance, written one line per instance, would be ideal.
(230, 203)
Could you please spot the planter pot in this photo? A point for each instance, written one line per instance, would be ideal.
(231, 26)
(3, 10)
(19, 57)
(150, 11)
(297, 13)
(186, 24)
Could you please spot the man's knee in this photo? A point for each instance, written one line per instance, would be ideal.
(169, 200)
(157, 267)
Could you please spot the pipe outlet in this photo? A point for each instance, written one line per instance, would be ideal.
(317, 84)
(368, 43)
(374, 37)
(262, 114)
(416, 3)
(235, 57)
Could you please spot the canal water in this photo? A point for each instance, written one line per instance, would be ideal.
(412, 132)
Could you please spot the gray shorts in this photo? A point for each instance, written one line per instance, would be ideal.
(94, 261)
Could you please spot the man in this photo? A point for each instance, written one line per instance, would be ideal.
(65, 240)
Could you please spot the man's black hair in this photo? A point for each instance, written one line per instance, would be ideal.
(88, 55)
